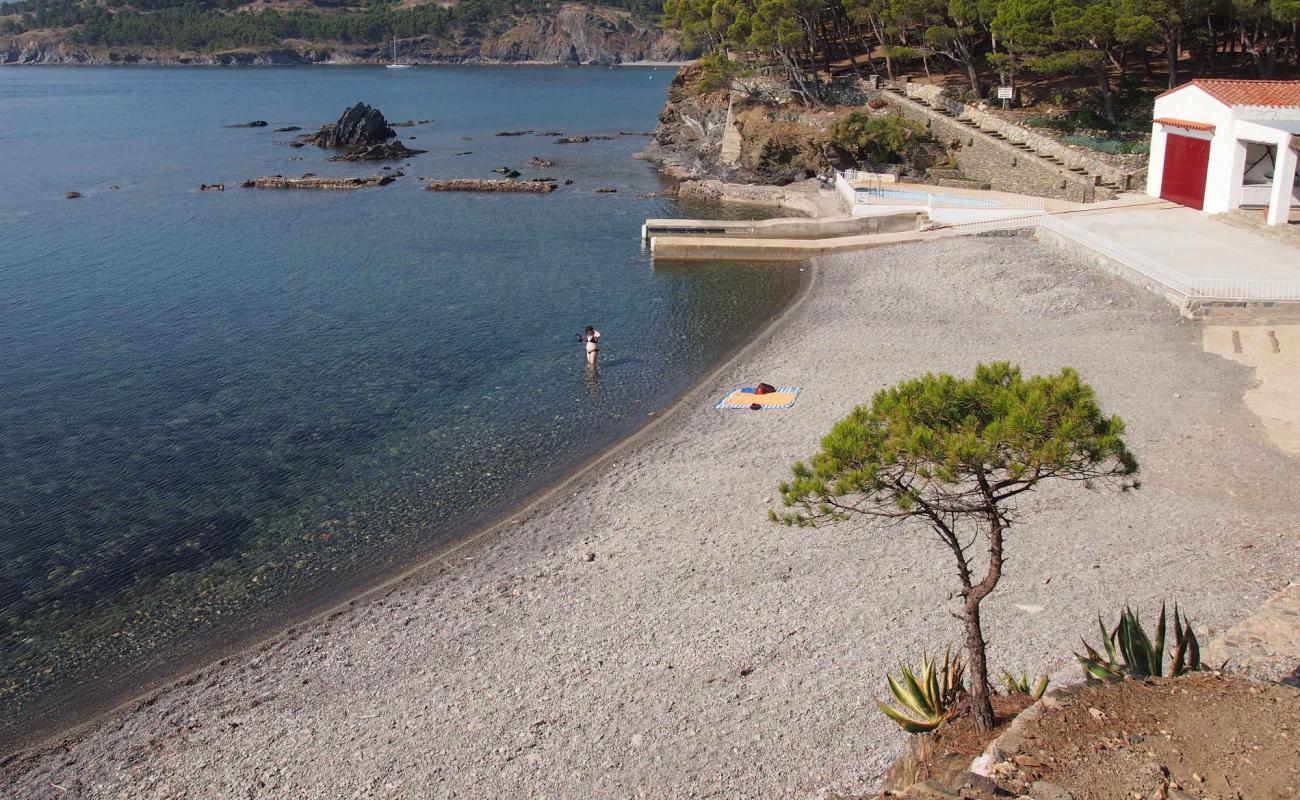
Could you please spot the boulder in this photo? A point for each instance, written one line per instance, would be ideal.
(537, 161)
(257, 123)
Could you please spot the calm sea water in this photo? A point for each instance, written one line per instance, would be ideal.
(215, 406)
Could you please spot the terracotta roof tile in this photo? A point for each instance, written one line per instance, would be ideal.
(1185, 123)
(1247, 93)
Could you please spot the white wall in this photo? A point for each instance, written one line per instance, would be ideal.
(1194, 105)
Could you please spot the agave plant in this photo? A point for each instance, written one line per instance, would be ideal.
(927, 698)
(1141, 657)
(1021, 685)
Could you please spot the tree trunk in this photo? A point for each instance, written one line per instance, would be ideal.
(974, 78)
(1172, 46)
(981, 703)
(1107, 96)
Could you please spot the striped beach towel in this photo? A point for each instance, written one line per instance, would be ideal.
(783, 397)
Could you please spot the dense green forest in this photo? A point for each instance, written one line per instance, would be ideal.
(224, 24)
(1112, 42)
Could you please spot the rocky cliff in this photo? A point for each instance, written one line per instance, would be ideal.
(569, 34)
(760, 135)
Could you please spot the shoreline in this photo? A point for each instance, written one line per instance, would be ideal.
(647, 627)
(57, 726)
(290, 65)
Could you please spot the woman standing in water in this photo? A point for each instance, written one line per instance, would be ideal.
(591, 338)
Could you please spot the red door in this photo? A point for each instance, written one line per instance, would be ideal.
(1183, 179)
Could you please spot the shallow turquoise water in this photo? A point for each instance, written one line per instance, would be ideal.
(214, 406)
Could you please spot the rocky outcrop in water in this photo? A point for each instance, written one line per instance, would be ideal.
(359, 126)
(363, 134)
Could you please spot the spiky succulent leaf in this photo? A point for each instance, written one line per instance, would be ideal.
(908, 723)
(1158, 647)
(1136, 646)
(905, 696)
(1107, 640)
(1040, 687)
(1193, 650)
(918, 693)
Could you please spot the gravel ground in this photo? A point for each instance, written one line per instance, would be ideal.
(652, 635)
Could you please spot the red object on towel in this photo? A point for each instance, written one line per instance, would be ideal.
(764, 388)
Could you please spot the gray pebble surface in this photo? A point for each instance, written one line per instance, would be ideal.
(652, 635)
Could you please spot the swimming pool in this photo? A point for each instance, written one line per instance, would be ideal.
(922, 198)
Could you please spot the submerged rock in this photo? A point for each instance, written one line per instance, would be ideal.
(310, 181)
(385, 151)
(288, 129)
(495, 185)
(537, 161)
(257, 123)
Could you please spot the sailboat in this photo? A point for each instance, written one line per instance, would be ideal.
(396, 65)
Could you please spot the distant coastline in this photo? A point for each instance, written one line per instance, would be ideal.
(571, 34)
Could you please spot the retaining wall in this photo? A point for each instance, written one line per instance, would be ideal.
(1109, 172)
(997, 162)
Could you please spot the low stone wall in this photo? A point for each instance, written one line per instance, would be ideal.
(1046, 145)
(996, 162)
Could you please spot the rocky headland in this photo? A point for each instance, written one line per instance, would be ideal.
(761, 136)
(567, 34)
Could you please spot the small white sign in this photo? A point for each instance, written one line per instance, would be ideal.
(1006, 92)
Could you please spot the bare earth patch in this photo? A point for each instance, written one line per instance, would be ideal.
(1206, 735)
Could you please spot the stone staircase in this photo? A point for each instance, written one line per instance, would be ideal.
(1108, 183)
(729, 151)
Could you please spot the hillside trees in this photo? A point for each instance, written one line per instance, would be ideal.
(960, 35)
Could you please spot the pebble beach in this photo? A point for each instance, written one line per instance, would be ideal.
(645, 631)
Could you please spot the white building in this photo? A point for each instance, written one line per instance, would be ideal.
(1221, 144)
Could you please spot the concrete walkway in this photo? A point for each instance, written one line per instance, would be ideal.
(1191, 243)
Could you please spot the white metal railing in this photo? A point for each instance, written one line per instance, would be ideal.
(1031, 219)
(1230, 289)
(883, 196)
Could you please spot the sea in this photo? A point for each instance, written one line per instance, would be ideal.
(220, 410)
